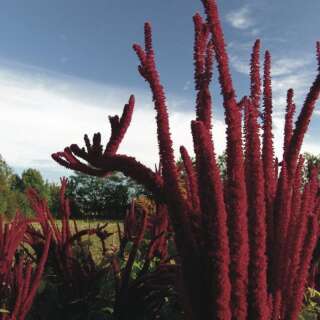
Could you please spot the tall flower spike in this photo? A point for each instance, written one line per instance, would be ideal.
(258, 307)
(309, 245)
(119, 127)
(288, 127)
(292, 230)
(214, 223)
(281, 217)
(26, 282)
(164, 136)
(302, 124)
(235, 169)
(203, 60)
(178, 209)
(268, 160)
(191, 178)
(199, 49)
(318, 54)
(255, 75)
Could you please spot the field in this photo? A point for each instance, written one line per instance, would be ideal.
(93, 241)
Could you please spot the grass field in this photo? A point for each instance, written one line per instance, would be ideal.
(93, 241)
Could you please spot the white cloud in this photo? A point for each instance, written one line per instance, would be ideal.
(42, 113)
(241, 18)
(300, 82)
(309, 144)
(285, 66)
(239, 64)
(286, 72)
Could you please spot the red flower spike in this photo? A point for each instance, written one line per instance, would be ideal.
(27, 303)
(268, 160)
(288, 127)
(255, 90)
(258, 307)
(301, 126)
(119, 127)
(252, 196)
(293, 225)
(214, 227)
(300, 284)
(318, 54)
(191, 178)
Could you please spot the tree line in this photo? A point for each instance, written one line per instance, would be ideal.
(91, 197)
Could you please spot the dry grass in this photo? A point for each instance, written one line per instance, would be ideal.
(93, 242)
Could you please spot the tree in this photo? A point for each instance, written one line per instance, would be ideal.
(53, 198)
(311, 161)
(101, 197)
(33, 178)
(8, 203)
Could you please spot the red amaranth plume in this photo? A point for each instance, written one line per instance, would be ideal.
(11, 235)
(214, 220)
(302, 124)
(203, 60)
(19, 279)
(258, 307)
(76, 273)
(223, 229)
(119, 127)
(136, 292)
(191, 179)
(300, 284)
(255, 90)
(288, 127)
(268, 160)
(318, 54)
(101, 163)
(235, 168)
(27, 286)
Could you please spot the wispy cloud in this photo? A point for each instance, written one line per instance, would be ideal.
(241, 18)
(44, 113)
(240, 64)
(285, 66)
(287, 72)
(187, 86)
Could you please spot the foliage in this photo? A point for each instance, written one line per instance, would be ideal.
(13, 188)
(7, 198)
(104, 198)
(32, 178)
(19, 276)
(311, 161)
(128, 282)
(311, 308)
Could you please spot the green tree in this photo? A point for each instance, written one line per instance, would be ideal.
(53, 190)
(311, 160)
(101, 197)
(8, 200)
(33, 178)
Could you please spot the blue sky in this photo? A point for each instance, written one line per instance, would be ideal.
(66, 65)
